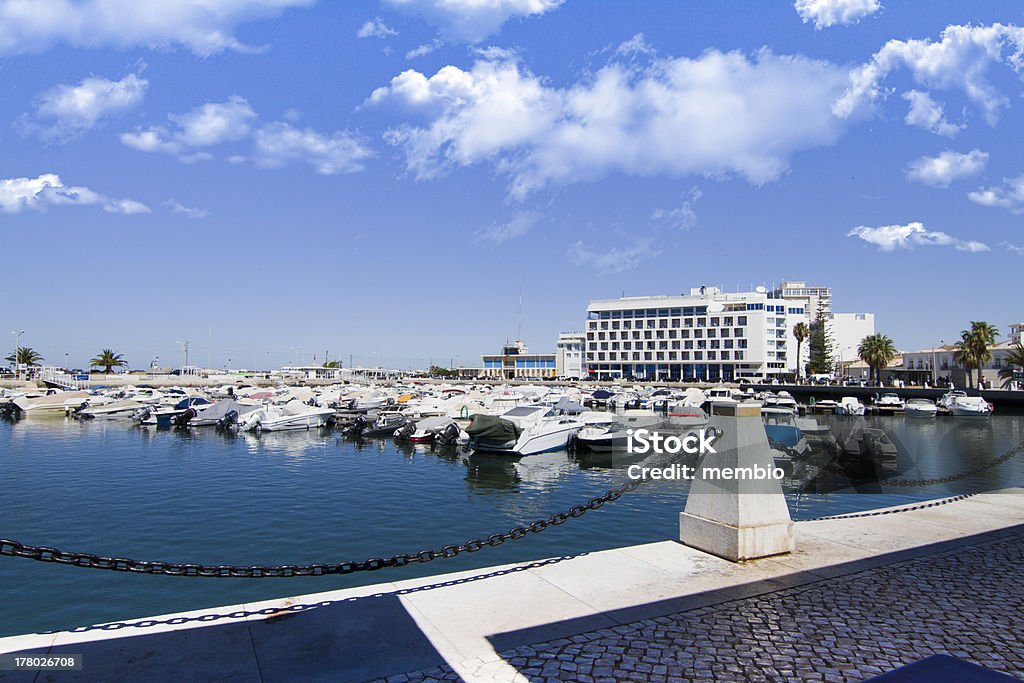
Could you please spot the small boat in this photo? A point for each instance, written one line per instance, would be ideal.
(55, 403)
(949, 398)
(386, 424)
(439, 429)
(217, 414)
(971, 406)
(850, 405)
(920, 407)
(292, 415)
(111, 409)
(889, 403)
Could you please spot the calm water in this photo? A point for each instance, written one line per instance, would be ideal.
(111, 488)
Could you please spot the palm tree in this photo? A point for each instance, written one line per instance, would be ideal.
(801, 332)
(877, 350)
(26, 356)
(107, 360)
(983, 335)
(1015, 357)
(965, 353)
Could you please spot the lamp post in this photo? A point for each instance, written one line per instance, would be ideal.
(184, 354)
(17, 347)
(65, 362)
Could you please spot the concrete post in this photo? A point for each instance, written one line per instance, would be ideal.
(739, 518)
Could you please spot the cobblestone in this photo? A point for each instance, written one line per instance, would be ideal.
(966, 602)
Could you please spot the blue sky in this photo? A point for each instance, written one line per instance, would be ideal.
(273, 179)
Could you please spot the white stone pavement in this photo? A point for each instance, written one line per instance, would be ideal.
(393, 628)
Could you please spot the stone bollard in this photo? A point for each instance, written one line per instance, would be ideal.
(739, 518)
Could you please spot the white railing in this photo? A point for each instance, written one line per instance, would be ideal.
(60, 378)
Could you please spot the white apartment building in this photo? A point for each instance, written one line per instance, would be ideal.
(569, 355)
(706, 334)
(846, 329)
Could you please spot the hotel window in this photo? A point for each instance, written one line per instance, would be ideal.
(663, 322)
(727, 343)
(701, 344)
(727, 321)
(741, 320)
(673, 355)
(724, 332)
(600, 335)
(651, 324)
(660, 334)
(663, 345)
(651, 344)
(739, 355)
(711, 332)
(636, 356)
(686, 334)
(661, 356)
(715, 344)
(686, 355)
(714, 322)
(725, 355)
(600, 356)
(636, 334)
(604, 325)
(702, 322)
(712, 355)
(648, 335)
(698, 333)
(688, 322)
(673, 334)
(688, 345)
(604, 346)
(615, 346)
(698, 355)
(738, 332)
(675, 322)
(742, 343)
(675, 345)
(648, 355)
(627, 324)
(615, 324)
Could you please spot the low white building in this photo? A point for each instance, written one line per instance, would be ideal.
(569, 352)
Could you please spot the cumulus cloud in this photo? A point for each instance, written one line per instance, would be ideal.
(521, 223)
(928, 114)
(1008, 196)
(716, 115)
(278, 144)
(473, 20)
(948, 166)
(66, 111)
(376, 28)
(825, 13)
(958, 61)
(203, 26)
(188, 212)
(614, 259)
(682, 217)
(18, 194)
(274, 144)
(893, 237)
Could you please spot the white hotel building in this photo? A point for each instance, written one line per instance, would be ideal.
(708, 334)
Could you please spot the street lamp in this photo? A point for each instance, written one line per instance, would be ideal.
(935, 365)
(184, 354)
(17, 347)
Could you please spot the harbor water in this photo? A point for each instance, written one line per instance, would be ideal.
(111, 488)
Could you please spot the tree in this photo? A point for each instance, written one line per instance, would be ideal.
(820, 341)
(108, 360)
(1015, 358)
(438, 371)
(26, 356)
(332, 364)
(801, 332)
(877, 350)
(972, 351)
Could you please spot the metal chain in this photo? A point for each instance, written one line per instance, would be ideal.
(120, 564)
(893, 511)
(1019, 448)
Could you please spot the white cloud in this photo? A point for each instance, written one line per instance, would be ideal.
(684, 216)
(1012, 248)
(957, 62)
(928, 114)
(203, 26)
(719, 114)
(613, 260)
(66, 111)
(278, 144)
(273, 144)
(474, 20)
(825, 13)
(1009, 196)
(423, 50)
(376, 28)
(188, 212)
(893, 237)
(948, 166)
(18, 194)
(521, 223)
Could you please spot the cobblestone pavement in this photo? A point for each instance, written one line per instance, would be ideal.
(968, 603)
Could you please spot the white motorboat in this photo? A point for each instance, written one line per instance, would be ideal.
(292, 415)
(56, 403)
(111, 409)
(219, 413)
(971, 406)
(549, 434)
(604, 437)
(523, 430)
(850, 405)
(890, 402)
(920, 407)
(949, 397)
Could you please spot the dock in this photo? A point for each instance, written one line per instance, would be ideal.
(861, 594)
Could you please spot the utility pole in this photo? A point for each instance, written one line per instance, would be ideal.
(17, 347)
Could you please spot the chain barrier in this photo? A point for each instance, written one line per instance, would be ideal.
(893, 511)
(121, 564)
(895, 481)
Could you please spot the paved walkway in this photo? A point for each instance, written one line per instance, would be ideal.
(858, 596)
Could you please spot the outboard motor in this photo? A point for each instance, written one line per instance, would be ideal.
(229, 422)
(141, 414)
(357, 426)
(448, 436)
(183, 419)
(406, 432)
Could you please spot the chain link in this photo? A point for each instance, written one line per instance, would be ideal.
(893, 511)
